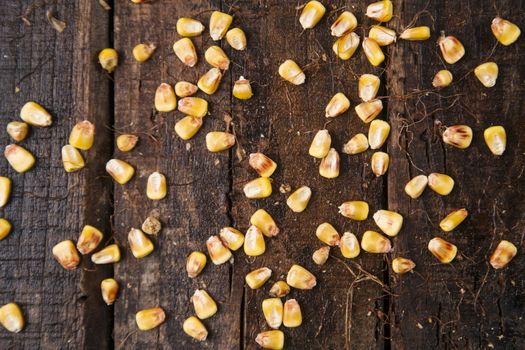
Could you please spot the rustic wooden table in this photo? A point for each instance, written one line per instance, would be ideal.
(463, 305)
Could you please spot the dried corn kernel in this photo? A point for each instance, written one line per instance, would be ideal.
(355, 210)
(127, 142)
(34, 114)
(142, 52)
(345, 46)
(378, 133)
(379, 163)
(262, 164)
(188, 126)
(150, 318)
(108, 255)
(189, 27)
(327, 234)
(195, 263)
(11, 318)
(298, 201)
(402, 265)
(292, 316)
(337, 105)
(312, 13)
(416, 33)
(17, 130)
(300, 278)
(217, 141)
(120, 171)
(383, 36)
(151, 225)
(139, 243)
(273, 312)
(264, 222)
(346, 22)
(218, 253)
(329, 166)
(156, 188)
(368, 111)
(203, 304)
(442, 79)
(373, 52)
(19, 158)
(231, 238)
(357, 144)
(503, 254)
(349, 245)
(444, 251)
(236, 38)
(291, 72)
(66, 254)
(320, 144)
(242, 89)
(373, 242)
(83, 135)
(219, 24)
(89, 239)
(193, 327)
(451, 48)
(487, 73)
(185, 89)
(258, 188)
(210, 81)
(5, 190)
(257, 278)
(108, 59)
(505, 31)
(388, 221)
(368, 87)
(459, 136)
(496, 139)
(72, 159)
(5, 228)
(109, 289)
(254, 244)
(452, 220)
(440, 183)
(165, 99)
(415, 187)
(185, 51)
(279, 289)
(273, 340)
(321, 255)
(216, 57)
(380, 11)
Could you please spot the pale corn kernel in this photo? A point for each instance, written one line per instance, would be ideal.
(11, 318)
(273, 340)
(416, 33)
(292, 316)
(231, 238)
(320, 145)
(451, 48)
(503, 254)
(357, 144)
(415, 187)
(203, 304)
(17, 130)
(383, 36)
(151, 225)
(195, 263)
(236, 38)
(349, 245)
(258, 188)
(254, 244)
(217, 141)
(193, 327)
(312, 13)
(298, 201)
(273, 312)
(109, 290)
(257, 278)
(188, 126)
(487, 73)
(189, 27)
(444, 251)
(66, 254)
(379, 163)
(505, 31)
(329, 166)
(216, 57)
(321, 255)
(185, 89)
(219, 24)
(380, 11)
(34, 114)
(300, 278)
(291, 72)
(5, 190)
(368, 111)
(89, 239)
(262, 164)
(127, 142)
(19, 158)
(83, 135)
(165, 99)
(108, 255)
(452, 220)
(219, 254)
(402, 265)
(459, 136)
(72, 159)
(120, 170)
(108, 59)
(442, 79)
(185, 51)
(264, 221)
(440, 183)
(139, 244)
(388, 221)
(355, 210)
(150, 318)
(327, 234)
(368, 87)
(279, 289)
(496, 139)
(5, 228)
(242, 89)
(345, 46)
(142, 52)
(156, 187)
(374, 242)
(378, 133)
(346, 22)
(210, 81)
(338, 104)
(373, 52)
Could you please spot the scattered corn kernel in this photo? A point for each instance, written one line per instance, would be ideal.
(195, 263)
(487, 73)
(503, 254)
(188, 126)
(459, 136)
(5, 190)
(5, 228)
(327, 234)
(379, 163)
(320, 144)
(257, 278)
(496, 139)
(193, 327)
(236, 38)
(378, 133)
(452, 220)
(402, 265)
(150, 318)
(345, 23)
(505, 31)
(127, 142)
(279, 289)
(83, 135)
(368, 111)
(292, 316)
(262, 164)
(374, 242)
(242, 89)
(19, 158)
(165, 99)
(17, 130)
(258, 188)
(273, 312)
(298, 201)
(216, 57)
(217, 141)
(66, 254)
(264, 221)
(300, 278)
(254, 244)
(440, 183)
(355, 210)
(312, 13)
(357, 144)
(415, 187)
(142, 52)
(156, 188)
(337, 105)
(349, 245)
(109, 289)
(72, 159)
(210, 81)
(380, 11)
(388, 221)
(151, 225)
(451, 48)
(368, 87)
(231, 238)
(11, 317)
(108, 255)
(120, 171)
(89, 239)
(185, 51)
(189, 27)
(329, 166)
(321, 255)
(108, 59)
(219, 24)
(383, 36)
(442, 79)
(416, 33)
(373, 52)
(185, 89)
(291, 72)
(218, 253)
(139, 243)
(345, 46)
(273, 340)
(34, 114)
(203, 304)
(444, 251)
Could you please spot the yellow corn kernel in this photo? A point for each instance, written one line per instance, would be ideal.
(258, 188)
(487, 73)
(345, 46)
(292, 316)
(327, 234)
(402, 265)
(257, 278)
(273, 312)
(452, 220)
(440, 183)
(355, 210)
(193, 327)
(189, 27)
(279, 289)
(378, 133)
(442, 79)
(185, 51)
(83, 135)
(349, 245)
(204, 305)
(218, 253)
(451, 48)
(108, 59)
(142, 52)
(273, 340)
(380, 11)
(383, 36)
(357, 144)
(17, 130)
(219, 24)
(5, 190)
(108, 255)
(298, 201)
(150, 318)
(312, 13)
(139, 243)
(254, 244)
(231, 238)
(109, 289)
(195, 263)
(236, 38)
(505, 31)
(459, 136)
(379, 163)
(300, 278)
(415, 187)
(388, 221)
(127, 142)
(368, 111)
(290, 71)
(217, 141)
(373, 52)
(263, 165)
(5, 228)
(346, 22)
(151, 225)
(72, 159)
(264, 221)
(11, 317)
(120, 170)
(216, 57)
(320, 144)
(373, 242)
(444, 251)
(329, 166)
(34, 114)
(503, 254)
(19, 158)
(165, 99)
(185, 89)
(337, 105)
(156, 188)
(242, 89)
(416, 33)
(496, 139)
(321, 255)
(66, 254)
(89, 239)
(188, 126)
(368, 87)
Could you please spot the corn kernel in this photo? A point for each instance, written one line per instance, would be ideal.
(355, 210)
(204, 305)
(17, 130)
(34, 114)
(66, 255)
(231, 238)
(357, 144)
(258, 188)
(279, 289)
(109, 289)
(193, 327)
(373, 242)
(254, 244)
(451, 48)
(195, 263)
(264, 222)
(264, 166)
(505, 31)
(415, 187)
(11, 317)
(185, 51)
(291, 72)
(345, 46)
(329, 166)
(379, 163)
(444, 251)
(440, 183)
(156, 188)
(337, 105)
(216, 57)
(373, 52)
(142, 52)
(150, 318)
(72, 159)
(416, 33)
(320, 144)
(210, 81)
(452, 220)
(83, 135)
(496, 139)
(298, 201)
(349, 245)
(273, 312)
(151, 225)
(120, 171)
(292, 316)
(312, 13)
(300, 278)
(108, 255)
(108, 59)
(185, 89)
(189, 27)
(5, 190)
(165, 99)
(378, 133)
(139, 243)
(217, 141)
(503, 254)
(236, 38)
(459, 136)
(273, 340)
(383, 36)
(89, 239)
(487, 73)
(368, 87)
(218, 253)
(242, 89)
(257, 278)
(321, 255)
(327, 234)
(368, 111)
(402, 265)
(388, 221)
(442, 79)
(188, 126)
(127, 142)
(19, 158)
(345, 23)
(219, 24)
(380, 11)
(5, 228)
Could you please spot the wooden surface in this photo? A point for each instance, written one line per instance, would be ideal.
(357, 304)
